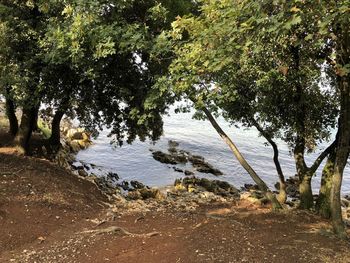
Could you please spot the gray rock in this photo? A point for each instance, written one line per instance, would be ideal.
(83, 173)
(188, 173)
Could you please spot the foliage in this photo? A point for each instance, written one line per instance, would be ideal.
(88, 58)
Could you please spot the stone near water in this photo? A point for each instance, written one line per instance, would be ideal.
(137, 185)
(183, 157)
(178, 169)
(83, 173)
(193, 184)
(164, 158)
(188, 173)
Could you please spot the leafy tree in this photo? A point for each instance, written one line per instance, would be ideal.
(90, 59)
(255, 62)
(334, 33)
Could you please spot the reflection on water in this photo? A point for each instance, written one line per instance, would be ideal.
(135, 162)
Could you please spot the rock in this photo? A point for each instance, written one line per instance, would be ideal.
(292, 190)
(105, 186)
(172, 150)
(137, 185)
(180, 158)
(77, 136)
(178, 170)
(164, 158)
(202, 166)
(145, 193)
(86, 167)
(83, 144)
(134, 195)
(74, 146)
(124, 185)
(113, 176)
(180, 187)
(248, 187)
(151, 193)
(173, 144)
(345, 203)
(77, 166)
(193, 184)
(252, 199)
(175, 157)
(83, 173)
(188, 173)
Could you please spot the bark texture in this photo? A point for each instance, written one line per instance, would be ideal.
(55, 138)
(11, 115)
(323, 203)
(26, 128)
(343, 144)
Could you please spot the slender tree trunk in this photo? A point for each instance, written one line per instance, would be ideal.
(11, 114)
(55, 138)
(261, 184)
(282, 196)
(323, 204)
(25, 129)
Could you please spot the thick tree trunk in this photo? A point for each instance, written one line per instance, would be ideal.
(25, 129)
(261, 184)
(55, 138)
(11, 115)
(304, 174)
(343, 144)
(306, 197)
(342, 153)
(323, 204)
(282, 196)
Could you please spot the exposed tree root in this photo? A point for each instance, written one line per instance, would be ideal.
(116, 229)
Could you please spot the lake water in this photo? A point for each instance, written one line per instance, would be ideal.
(135, 161)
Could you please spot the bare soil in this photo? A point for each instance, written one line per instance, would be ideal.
(49, 215)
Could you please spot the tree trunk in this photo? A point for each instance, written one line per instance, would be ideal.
(343, 144)
(342, 153)
(323, 205)
(261, 184)
(55, 138)
(25, 129)
(304, 175)
(11, 114)
(282, 196)
(306, 197)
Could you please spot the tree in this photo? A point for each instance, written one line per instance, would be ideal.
(335, 31)
(90, 59)
(250, 60)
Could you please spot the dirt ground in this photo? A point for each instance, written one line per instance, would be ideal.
(50, 215)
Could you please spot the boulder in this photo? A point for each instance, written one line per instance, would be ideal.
(164, 157)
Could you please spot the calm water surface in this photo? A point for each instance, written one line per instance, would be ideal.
(135, 162)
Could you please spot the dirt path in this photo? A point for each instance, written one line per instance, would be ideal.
(49, 215)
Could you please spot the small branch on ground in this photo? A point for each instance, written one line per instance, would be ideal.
(116, 229)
